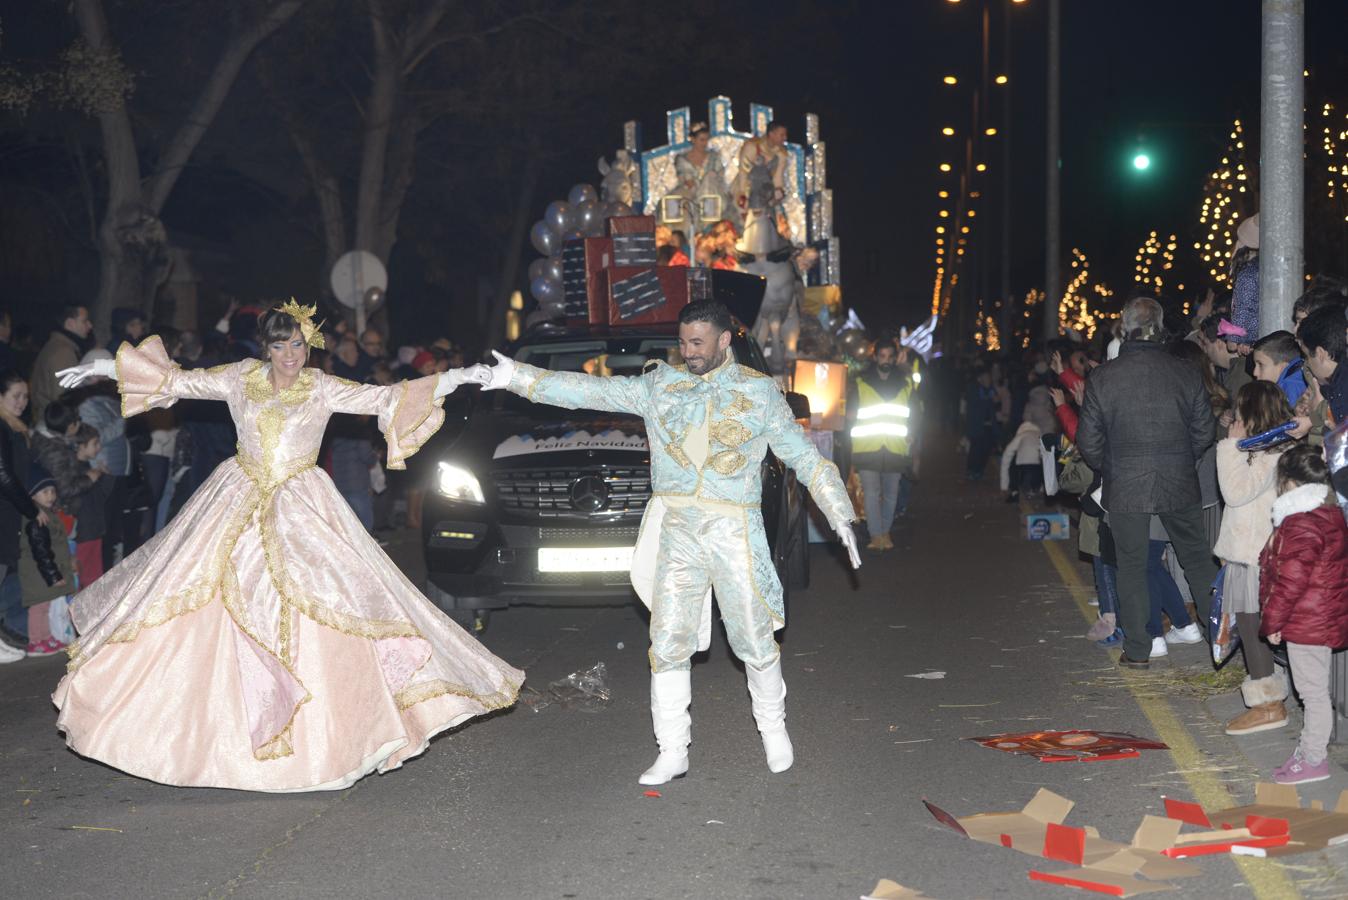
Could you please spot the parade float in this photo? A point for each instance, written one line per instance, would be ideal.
(744, 216)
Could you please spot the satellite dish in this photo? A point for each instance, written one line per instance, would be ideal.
(354, 274)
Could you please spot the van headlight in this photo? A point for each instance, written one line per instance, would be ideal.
(459, 484)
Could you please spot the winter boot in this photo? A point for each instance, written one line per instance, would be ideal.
(1264, 697)
(767, 690)
(671, 693)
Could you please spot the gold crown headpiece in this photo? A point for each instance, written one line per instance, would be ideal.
(304, 317)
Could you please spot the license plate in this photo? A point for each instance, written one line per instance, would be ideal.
(585, 559)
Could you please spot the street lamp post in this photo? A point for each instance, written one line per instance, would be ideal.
(1052, 236)
(1281, 169)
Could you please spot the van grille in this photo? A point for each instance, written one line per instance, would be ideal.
(547, 492)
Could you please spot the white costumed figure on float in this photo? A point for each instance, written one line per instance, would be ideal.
(710, 422)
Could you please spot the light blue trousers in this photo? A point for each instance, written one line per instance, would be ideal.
(704, 548)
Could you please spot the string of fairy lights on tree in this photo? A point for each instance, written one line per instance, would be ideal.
(1154, 260)
(986, 334)
(1336, 168)
(1225, 203)
(1082, 306)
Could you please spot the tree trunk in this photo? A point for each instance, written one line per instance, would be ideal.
(131, 239)
(519, 230)
(116, 280)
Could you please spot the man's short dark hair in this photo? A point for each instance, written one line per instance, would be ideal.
(1280, 346)
(1325, 328)
(773, 126)
(72, 311)
(58, 416)
(1324, 290)
(711, 311)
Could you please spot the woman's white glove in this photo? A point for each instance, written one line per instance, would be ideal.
(495, 377)
(77, 375)
(451, 379)
(848, 537)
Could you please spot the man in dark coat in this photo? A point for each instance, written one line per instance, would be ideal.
(1145, 422)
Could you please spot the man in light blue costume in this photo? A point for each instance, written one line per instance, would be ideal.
(709, 422)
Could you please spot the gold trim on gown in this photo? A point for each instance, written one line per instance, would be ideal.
(263, 640)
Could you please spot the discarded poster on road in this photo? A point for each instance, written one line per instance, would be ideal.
(1070, 746)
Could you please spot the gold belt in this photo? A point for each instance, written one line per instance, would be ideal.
(263, 477)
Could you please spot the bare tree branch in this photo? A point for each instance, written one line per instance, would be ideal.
(212, 97)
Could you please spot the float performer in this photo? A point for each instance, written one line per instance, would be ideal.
(709, 422)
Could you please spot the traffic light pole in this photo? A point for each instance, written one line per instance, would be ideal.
(1052, 236)
(1281, 167)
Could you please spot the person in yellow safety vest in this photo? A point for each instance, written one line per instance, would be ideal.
(881, 410)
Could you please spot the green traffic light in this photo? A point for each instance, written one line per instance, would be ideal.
(1142, 162)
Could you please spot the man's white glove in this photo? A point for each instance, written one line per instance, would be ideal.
(451, 379)
(493, 378)
(848, 537)
(77, 375)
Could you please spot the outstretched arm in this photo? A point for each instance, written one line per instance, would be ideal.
(409, 412)
(571, 390)
(149, 379)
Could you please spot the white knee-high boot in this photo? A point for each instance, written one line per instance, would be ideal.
(671, 693)
(767, 690)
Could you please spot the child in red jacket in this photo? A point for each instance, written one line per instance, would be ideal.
(1303, 596)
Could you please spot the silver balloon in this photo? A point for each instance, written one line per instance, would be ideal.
(590, 222)
(553, 310)
(574, 234)
(545, 290)
(544, 239)
(581, 193)
(553, 269)
(854, 343)
(555, 216)
(621, 209)
(538, 268)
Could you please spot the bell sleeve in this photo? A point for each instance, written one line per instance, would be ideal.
(149, 379)
(408, 412)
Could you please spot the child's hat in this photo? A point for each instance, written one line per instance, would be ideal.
(39, 478)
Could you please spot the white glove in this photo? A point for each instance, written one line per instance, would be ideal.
(848, 538)
(77, 375)
(495, 377)
(451, 379)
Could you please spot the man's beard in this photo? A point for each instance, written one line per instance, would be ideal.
(703, 366)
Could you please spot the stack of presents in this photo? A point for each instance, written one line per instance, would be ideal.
(614, 280)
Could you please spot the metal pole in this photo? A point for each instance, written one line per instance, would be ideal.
(1008, 302)
(1052, 237)
(1281, 167)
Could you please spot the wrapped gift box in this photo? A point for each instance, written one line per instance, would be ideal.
(582, 261)
(644, 295)
(633, 240)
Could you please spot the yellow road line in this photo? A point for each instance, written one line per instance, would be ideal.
(1266, 878)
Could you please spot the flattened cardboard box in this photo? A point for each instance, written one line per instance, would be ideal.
(1310, 828)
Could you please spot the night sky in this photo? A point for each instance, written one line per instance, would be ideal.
(1165, 75)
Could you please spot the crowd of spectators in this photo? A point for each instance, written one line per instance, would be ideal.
(1185, 496)
(81, 487)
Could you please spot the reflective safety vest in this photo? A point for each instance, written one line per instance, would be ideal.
(881, 424)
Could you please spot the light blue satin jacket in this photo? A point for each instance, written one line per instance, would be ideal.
(748, 414)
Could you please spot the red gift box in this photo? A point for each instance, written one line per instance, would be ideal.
(631, 225)
(582, 261)
(673, 281)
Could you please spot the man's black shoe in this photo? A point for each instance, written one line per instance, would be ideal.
(12, 637)
(1127, 662)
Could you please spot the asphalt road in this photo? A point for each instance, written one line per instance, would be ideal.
(545, 803)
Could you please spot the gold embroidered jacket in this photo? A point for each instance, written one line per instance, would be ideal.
(708, 434)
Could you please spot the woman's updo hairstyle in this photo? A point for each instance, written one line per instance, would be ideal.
(275, 326)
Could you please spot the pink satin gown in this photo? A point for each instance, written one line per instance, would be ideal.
(263, 641)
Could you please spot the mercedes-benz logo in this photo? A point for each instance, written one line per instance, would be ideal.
(589, 494)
